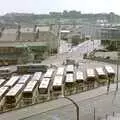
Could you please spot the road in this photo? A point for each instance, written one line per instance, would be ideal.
(84, 47)
(76, 53)
(105, 104)
(62, 109)
(87, 46)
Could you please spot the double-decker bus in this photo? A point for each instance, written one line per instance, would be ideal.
(101, 76)
(79, 81)
(30, 92)
(12, 81)
(37, 76)
(44, 89)
(60, 71)
(2, 82)
(13, 97)
(70, 69)
(57, 86)
(90, 78)
(5, 72)
(31, 68)
(110, 72)
(69, 84)
(3, 91)
(49, 73)
(24, 79)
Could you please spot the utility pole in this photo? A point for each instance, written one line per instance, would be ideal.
(118, 54)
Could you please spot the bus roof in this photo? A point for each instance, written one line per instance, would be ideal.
(60, 71)
(44, 83)
(12, 81)
(70, 68)
(58, 81)
(2, 81)
(3, 90)
(37, 76)
(13, 91)
(30, 86)
(4, 69)
(100, 71)
(24, 79)
(69, 78)
(49, 73)
(90, 72)
(109, 69)
(79, 75)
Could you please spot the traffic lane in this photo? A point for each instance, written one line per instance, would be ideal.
(102, 104)
(47, 106)
(87, 46)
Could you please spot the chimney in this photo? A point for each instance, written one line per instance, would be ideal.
(19, 27)
(1, 31)
(50, 27)
(35, 27)
(18, 32)
(37, 34)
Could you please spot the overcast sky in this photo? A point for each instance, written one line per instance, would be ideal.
(45, 6)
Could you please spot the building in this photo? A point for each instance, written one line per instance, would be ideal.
(23, 45)
(111, 33)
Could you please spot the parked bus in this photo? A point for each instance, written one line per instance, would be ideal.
(24, 79)
(90, 78)
(70, 69)
(101, 75)
(60, 71)
(49, 73)
(69, 84)
(31, 68)
(57, 86)
(37, 76)
(79, 81)
(30, 93)
(3, 91)
(6, 72)
(44, 89)
(2, 82)
(12, 81)
(13, 97)
(110, 72)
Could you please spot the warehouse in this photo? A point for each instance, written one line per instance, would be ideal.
(25, 45)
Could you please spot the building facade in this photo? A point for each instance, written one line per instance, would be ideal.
(23, 45)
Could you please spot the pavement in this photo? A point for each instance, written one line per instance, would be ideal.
(59, 109)
(61, 105)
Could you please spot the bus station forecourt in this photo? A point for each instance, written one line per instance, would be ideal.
(87, 80)
(27, 89)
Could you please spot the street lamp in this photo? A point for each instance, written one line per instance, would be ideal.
(75, 104)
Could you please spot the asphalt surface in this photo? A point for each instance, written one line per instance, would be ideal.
(105, 104)
(62, 109)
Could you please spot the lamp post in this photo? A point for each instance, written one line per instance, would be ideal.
(117, 68)
(75, 104)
